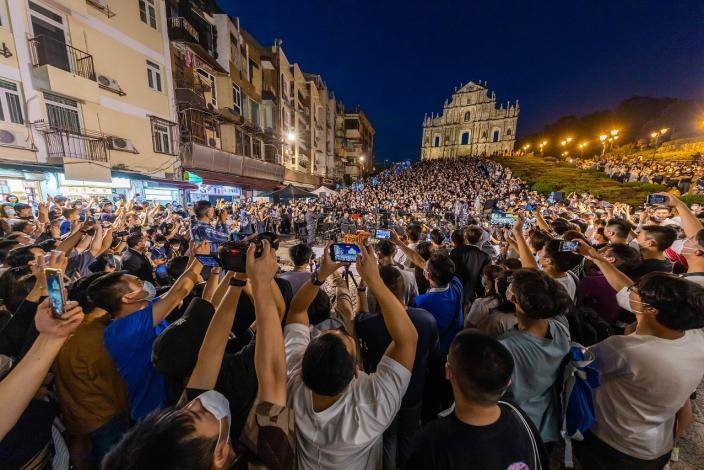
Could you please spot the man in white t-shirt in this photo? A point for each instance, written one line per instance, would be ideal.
(340, 412)
(648, 376)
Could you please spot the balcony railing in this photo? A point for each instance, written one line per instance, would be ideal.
(181, 30)
(49, 51)
(198, 126)
(73, 143)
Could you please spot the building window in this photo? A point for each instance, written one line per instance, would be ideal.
(210, 80)
(247, 145)
(257, 148)
(147, 12)
(153, 76)
(508, 131)
(10, 103)
(254, 110)
(239, 142)
(466, 116)
(437, 141)
(162, 135)
(237, 98)
(62, 113)
(465, 138)
(495, 137)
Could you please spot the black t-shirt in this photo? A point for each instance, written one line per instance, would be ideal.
(449, 444)
(238, 382)
(652, 265)
(374, 339)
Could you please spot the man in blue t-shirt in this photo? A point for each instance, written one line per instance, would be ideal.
(444, 298)
(138, 318)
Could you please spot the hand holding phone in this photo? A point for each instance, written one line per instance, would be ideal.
(568, 246)
(344, 252)
(55, 290)
(656, 199)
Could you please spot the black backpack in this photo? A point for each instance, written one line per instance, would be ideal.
(586, 326)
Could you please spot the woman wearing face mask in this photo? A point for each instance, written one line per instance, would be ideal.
(7, 214)
(648, 376)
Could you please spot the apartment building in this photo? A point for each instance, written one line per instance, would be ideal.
(217, 76)
(354, 143)
(85, 99)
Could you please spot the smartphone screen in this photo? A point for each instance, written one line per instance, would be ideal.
(54, 284)
(568, 246)
(654, 199)
(208, 260)
(345, 252)
(383, 234)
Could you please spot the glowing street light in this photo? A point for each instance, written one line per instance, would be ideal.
(603, 137)
(569, 139)
(563, 143)
(291, 136)
(664, 130)
(654, 135)
(614, 132)
(362, 158)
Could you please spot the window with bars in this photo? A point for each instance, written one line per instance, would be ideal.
(153, 76)
(10, 102)
(147, 12)
(62, 113)
(162, 136)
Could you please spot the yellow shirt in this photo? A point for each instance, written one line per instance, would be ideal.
(90, 390)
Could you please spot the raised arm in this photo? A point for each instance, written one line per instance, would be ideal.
(527, 258)
(181, 288)
(616, 279)
(205, 374)
(269, 358)
(540, 221)
(404, 337)
(74, 237)
(412, 255)
(690, 223)
(97, 241)
(298, 313)
(19, 386)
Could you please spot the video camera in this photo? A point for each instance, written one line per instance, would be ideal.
(233, 254)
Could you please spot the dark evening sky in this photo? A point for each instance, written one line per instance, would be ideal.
(401, 59)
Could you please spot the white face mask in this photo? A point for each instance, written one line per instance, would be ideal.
(217, 405)
(623, 298)
(10, 212)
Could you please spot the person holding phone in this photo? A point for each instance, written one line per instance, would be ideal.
(138, 318)
(340, 412)
(19, 387)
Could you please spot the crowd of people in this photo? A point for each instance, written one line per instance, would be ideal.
(678, 174)
(469, 312)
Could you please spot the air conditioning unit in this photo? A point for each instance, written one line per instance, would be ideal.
(109, 83)
(10, 138)
(123, 145)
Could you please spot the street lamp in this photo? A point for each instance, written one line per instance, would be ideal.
(291, 137)
(569, 139)
(614, 132)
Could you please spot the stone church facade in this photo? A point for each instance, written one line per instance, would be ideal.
(470, 125)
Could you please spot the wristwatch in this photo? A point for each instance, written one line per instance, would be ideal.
(237, 282)
(314, 279)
